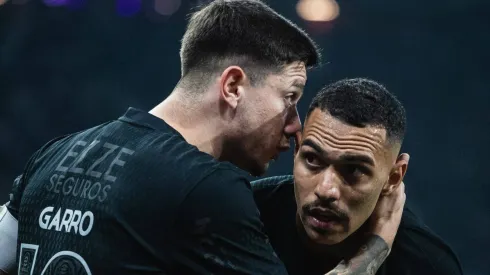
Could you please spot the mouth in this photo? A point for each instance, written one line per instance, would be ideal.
(323, 220)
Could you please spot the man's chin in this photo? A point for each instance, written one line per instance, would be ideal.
(258, 170)
(254, 167)
(324, 238)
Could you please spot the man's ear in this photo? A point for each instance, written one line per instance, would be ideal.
(231, 83)
(397, 173)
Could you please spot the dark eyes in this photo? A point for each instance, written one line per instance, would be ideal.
(312, 160)
(351, 172)
(291, 98)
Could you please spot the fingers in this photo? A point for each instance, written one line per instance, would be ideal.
(400, 196)
(401, 188)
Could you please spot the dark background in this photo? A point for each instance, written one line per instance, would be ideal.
(66, 68)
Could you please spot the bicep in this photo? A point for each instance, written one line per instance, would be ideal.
(8, 240)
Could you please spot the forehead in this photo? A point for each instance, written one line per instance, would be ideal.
(337, 137)
(293, 74)
(295, 68)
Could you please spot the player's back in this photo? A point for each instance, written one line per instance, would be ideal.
(105, 200)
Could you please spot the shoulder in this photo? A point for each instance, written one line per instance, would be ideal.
(417, 247)
(20, 182)
(225, 198)
(276, 202)
(222, 182)
(271, 189)
(270, 183)
(36, 159)
(221, 210)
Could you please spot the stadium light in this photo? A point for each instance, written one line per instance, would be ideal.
(318, 10)
(167, 7)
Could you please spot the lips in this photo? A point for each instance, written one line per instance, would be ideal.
(324, 215)
(325, 220)
(323, 224)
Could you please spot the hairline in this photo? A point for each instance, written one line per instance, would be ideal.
(258, 70)
(391, 141)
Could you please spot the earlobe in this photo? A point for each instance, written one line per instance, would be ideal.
(231, 85)
(397, 174)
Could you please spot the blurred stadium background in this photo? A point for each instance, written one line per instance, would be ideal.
(66, 65)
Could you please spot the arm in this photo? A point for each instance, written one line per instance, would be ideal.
(9, 216)
(368, 259)
(384, 225)
(8, 241)
(9, 228)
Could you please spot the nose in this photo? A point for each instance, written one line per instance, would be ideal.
(328, 188)
(293, 123)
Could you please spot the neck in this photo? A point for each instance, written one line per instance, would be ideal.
(193, 119)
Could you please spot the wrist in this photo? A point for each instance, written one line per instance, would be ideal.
(378, 245)
(386, 231)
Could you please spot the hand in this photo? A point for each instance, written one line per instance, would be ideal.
(384, 222)
(387, 214)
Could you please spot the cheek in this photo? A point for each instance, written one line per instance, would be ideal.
(265, 115)
(273, 107)
(361, 204)
(254, 117)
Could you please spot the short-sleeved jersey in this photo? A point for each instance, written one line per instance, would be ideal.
(131, 196)
(415, 251)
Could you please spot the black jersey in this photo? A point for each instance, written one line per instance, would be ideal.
(415, 251)
(131, 196)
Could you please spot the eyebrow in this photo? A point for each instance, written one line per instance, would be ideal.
(298, 84)
(347, 157)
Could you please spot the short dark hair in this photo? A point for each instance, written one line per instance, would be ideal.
(247, 33)
(362, 102)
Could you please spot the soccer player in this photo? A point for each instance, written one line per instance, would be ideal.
(164, 192)
(347, 163)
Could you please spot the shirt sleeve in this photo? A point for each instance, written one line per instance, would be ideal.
(20, 182)
(223, 222)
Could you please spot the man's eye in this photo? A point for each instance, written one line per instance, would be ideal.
(352, 172)
(290, 98)
(312, 160)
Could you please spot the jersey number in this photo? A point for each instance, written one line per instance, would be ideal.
(64, 262)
